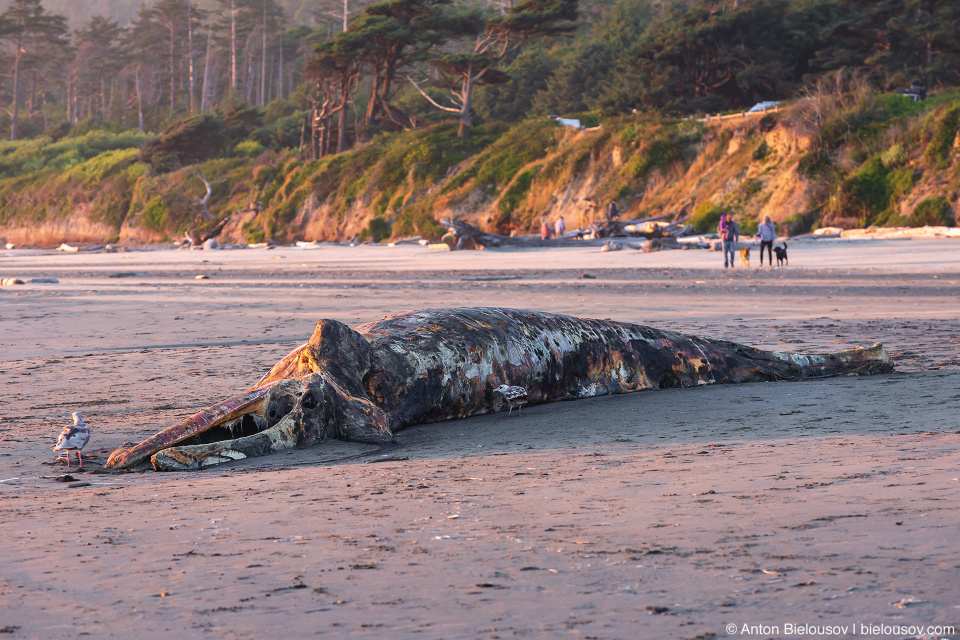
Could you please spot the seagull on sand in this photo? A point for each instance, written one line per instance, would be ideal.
(73, 438)
(513, 396)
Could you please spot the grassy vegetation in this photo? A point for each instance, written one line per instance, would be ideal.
(513, 196)
(932, 211)
(23, 157)
(706, 217)
(658, 148)
(939, 134)
(505, 155)
(84, 172)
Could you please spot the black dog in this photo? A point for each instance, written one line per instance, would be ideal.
(781, 255)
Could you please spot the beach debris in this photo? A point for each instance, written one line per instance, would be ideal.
(405, 240)
(649, 226)
(514, 396)
(439, 246)
(313, 244)
(587, 276)
(43, 281)
(68, 248)
(450, 239)
(365, 384)
(9, 282)
(611, 245)
(73, 438)
(196, 240)
(658, 226)
(468, 244)
(901, 232)
(903, 603)
(210, 244)
(458, 230)
(123, 274)
(10, 246)
(201, 277)
(669, 244)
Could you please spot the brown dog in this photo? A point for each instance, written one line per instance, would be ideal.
(745, 257)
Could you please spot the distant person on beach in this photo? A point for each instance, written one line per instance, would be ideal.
(730, 235)
(545, 230)
(612, 212)
(560, 227)
(767, 235)
(722, 230)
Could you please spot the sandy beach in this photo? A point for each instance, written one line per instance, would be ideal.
(664, 514)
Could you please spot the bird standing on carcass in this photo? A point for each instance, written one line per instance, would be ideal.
(514, 396)
(73, 438)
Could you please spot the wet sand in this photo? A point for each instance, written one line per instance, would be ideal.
(655, 514)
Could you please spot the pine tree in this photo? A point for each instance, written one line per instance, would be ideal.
(96, 63)
(241, 30)
(396, 33)
(499, 37)
(337, 67)
(34, 36)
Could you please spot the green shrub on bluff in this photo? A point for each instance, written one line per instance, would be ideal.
(870, 193)
(932, 211)
(26, 156)
(103, 184)
(189, 141)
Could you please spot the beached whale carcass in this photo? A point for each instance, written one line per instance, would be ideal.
(364, 384)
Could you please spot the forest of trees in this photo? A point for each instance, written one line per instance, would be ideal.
(346, 69)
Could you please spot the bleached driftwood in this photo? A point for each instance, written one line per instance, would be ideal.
(596, 236)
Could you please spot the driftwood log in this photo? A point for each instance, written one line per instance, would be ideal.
(643, 228)
(197, 239)
(670, 243)
(462, 230)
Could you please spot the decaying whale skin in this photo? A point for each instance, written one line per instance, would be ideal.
(366, 383)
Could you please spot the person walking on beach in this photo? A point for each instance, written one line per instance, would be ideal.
(612, 212)
(545, 230)
(560, 227)
(767, 235)
(730, 235)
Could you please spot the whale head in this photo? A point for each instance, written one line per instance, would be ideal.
(313, 394)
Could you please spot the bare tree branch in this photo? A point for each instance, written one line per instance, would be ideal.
(204, 203)
(431, 100)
